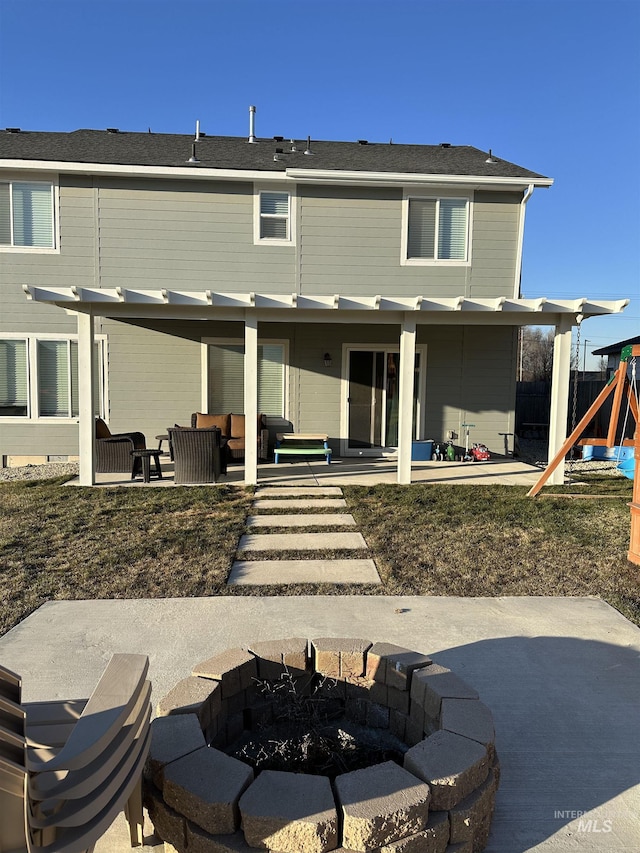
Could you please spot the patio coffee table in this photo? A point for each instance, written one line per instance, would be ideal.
(302, 444)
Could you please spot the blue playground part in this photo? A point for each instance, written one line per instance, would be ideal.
(628, 468)
(613, 454)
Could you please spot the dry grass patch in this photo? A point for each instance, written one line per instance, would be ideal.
(493, 540)
(75, 543)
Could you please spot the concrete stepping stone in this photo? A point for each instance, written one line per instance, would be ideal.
(302, 519)
(286, 491)
(301, 541)
(278, 572)
(302, 503)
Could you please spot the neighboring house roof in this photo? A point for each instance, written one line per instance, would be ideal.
(614, 349)
(229, 152)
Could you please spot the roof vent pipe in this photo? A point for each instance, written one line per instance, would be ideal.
(252, 125)
(193, 158)
(197, 139)
(308, 148)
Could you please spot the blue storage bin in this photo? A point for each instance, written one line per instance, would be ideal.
(421, 451)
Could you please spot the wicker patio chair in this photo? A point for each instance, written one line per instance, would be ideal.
(113, 451)
(68, 768)
(198, 455)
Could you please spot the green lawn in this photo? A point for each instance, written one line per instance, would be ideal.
(75, 543)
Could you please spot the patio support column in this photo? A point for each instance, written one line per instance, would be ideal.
(405, 406)
(251, 398)
(86, 396)
(560, 394)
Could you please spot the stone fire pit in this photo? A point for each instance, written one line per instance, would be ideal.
(438, 797)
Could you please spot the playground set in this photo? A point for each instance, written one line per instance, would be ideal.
(619, 385)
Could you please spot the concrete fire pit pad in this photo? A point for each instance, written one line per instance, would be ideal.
(290, 812)
(380, 804)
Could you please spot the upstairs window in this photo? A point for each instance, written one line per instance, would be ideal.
(437, 229)
(26, 215)
(274, 216)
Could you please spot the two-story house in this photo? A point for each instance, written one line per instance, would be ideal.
(367, 291)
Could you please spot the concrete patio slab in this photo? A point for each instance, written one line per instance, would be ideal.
(299, 503)
(278, 572)
(303, 519)
(351, 471)
(560, 675)
(301, 542)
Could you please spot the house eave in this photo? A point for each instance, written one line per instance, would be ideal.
(191, 172)
(313, 176)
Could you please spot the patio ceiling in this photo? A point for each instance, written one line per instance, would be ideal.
(201, 304)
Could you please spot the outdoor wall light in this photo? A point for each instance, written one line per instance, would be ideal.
(328, 361)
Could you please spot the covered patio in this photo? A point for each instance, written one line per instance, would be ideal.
(406, 314)
(350, 472)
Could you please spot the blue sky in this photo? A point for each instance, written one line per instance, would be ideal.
(553, 85)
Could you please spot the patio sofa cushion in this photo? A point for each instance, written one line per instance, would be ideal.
(233, 428)
(204, 421)
(238, 425)
(102, 430)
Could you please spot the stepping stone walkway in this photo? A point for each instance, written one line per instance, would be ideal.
(303, 502)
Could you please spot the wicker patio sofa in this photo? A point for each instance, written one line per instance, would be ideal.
(113, 451)
(199, 455)
(232, 428)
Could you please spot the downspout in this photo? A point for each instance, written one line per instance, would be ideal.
(518, 274)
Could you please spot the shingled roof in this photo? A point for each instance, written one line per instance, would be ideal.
(229, 152)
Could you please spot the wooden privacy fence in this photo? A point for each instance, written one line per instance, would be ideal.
(533, 405)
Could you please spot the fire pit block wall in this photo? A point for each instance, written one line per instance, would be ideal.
(380, 805)
(452, 766)
(205, 787)
(290, 812)
(441, 800)
(171, 739)
(339, 657)
(433, 839)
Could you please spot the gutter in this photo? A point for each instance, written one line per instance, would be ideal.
(518, 272)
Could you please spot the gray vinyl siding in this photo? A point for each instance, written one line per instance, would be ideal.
(186, 236)
(494, 243)
(73, 264)
(350, 243)
(469, 381)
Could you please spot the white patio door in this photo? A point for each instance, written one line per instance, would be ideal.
(372, 403)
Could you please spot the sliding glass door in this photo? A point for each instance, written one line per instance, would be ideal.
(373, 399)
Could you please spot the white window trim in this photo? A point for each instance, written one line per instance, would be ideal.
(258, 189)
(204, 361)
(29, 178)
(404, 238)
(33, 415)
